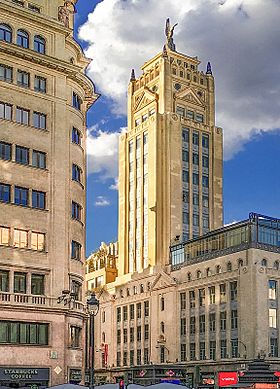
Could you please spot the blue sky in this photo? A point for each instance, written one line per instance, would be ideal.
(252, 135)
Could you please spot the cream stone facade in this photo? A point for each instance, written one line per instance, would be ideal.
(213, 308)
(45, 95)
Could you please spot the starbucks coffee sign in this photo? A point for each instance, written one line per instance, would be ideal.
(23, 374)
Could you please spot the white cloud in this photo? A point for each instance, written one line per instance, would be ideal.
(114, 186)
(102, 150)
(101, 202)
(240, 37)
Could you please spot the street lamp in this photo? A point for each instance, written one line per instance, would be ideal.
(93, 308)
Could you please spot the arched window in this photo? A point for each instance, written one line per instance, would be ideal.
(148, 285)
(264, 262)
(5, 33)
(208, 272)
(39, 44)
(198, 274)
(162, 304)
(23, 39)
(276, 265)
(141, 288)
(240, 263)
(162, 327)
(218, 269)
(189, 276)
(229, 266)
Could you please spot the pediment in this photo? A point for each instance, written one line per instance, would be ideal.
(163, 280)
(190, 96)
(144, 99)
(104, 296)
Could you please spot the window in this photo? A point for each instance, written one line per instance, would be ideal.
(20, 238)
(146, 332)
(185, 196)
(192, 325)
(234, 319)
(76, 250)
(39, 159)
(264, 263)
(131, 312)
(196, 138)
(23, 79)
(118, 358)
(76, 101)
(272, 289)
(162, 303)
(195, 159)
(20, 282)
(4, 281)
(40, 84)
(75, 336)
(162, 327)
(201, 295)
(223, 295)
(145, 117)
(183, 301)
(162, 354)
(185, 156)
(192, 351)
(199, 117)
(22, 155)
(183, 352)
(183, 326)
(5, 33)
(185, 135)
(208, 272)
(272, 318)
(234, 348)
(205, 141)
(195, 179)
(180, 111)
(5, 111)
(190, 114)
(202, 355)
(233, 291)
(185, 217)
(23, 39)
(5, 151)
(274, 347)
(37, 241)
(34, 8)
(21, 196)
(19, 2)
(196, 199)
(205, 221)
(196, 220)
(125, 335)
(138, 357)
(37, 284)
(38, 199)
(118, 336)
(6, 73)
(118, 314)
(146, 308)
(125, 313)
(205, 201)
(5, 193)
(205, 181)
(205, 161)
(223, 346)
(22, 116)
(202, 324)
(125, 358)
(4, 236)
(138, 309)
(212, 349)
(131, 357)
(39, 44)
(76, 211)
(223, 320)
(138, 331)
(218, 269)
(192, 299)
(212, 322)
(76, 173)
(229, 266)
(76, 136)
(39, 120)
(189, 276)
(185, 176)
(76, 289)
(276, 265)
(131, 334)
(24, 333)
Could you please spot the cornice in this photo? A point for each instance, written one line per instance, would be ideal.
(58, 65)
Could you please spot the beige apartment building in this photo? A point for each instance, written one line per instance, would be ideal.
(44, 98)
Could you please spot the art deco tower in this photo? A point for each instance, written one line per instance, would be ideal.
(45, 95)
(170, 164)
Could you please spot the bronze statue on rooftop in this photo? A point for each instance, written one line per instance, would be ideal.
(169, 35)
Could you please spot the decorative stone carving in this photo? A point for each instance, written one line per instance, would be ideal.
(64, 12)
(169, 35)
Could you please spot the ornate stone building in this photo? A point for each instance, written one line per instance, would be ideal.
(45, 95)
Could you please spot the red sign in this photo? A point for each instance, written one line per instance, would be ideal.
(277, 373)
(226, 378)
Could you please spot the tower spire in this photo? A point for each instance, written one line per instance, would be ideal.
(132, 76)
(209, 69)
(169, 35)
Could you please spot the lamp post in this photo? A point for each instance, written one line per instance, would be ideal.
(93, 308)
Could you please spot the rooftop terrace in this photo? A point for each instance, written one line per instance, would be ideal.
(258, 231)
